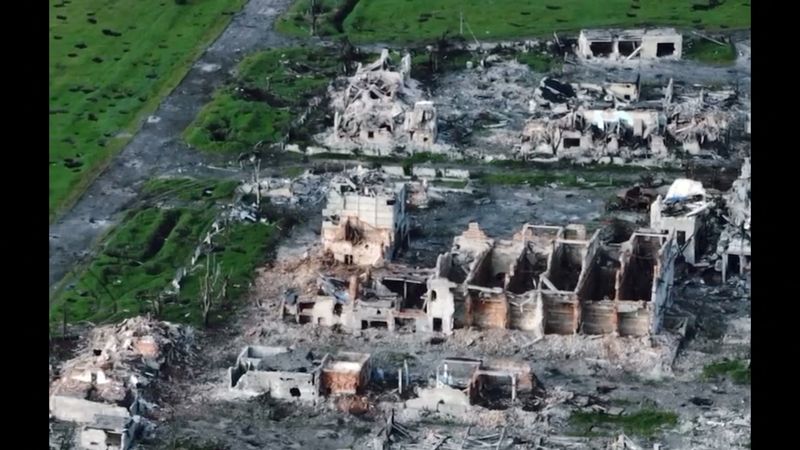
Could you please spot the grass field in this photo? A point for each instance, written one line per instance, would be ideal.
(403, 21)
(139, 258)
(645, 422)
(736, 370)
(111, 62)
(270, 88)
(709, 52)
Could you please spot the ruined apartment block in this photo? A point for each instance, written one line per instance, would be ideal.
(387, 298)
(364, 223)
(381, 108)
(546, 278)
(682, 212)
(298, 375)
(612, 120)
(659, 43)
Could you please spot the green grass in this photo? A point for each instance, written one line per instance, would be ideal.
(403, 21)
(297, 20)
(539, 62)
(139, 258)
(645, 422)
(736, 370)
(545, 177)
(461, 184)
(710, 53)
(188, 189)
(258, 106)
(103, 84)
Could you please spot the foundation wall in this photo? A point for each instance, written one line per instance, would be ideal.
(490, 313)
(598, 317)
(561, 313)
(634, 319)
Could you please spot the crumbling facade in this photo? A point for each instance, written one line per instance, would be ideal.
(298, 375)
(280, 372)
(612, 120)
(545, 280)
(381, 108)
(682, 212)
(102, 390)
(734, 244)
(462, 382)
(364, 221)
(660, 43)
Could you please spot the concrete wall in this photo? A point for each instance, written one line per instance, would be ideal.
(525, 313)
(71, 409)
(489, 313)
(623, 43)
(599, 317)
(561, 312)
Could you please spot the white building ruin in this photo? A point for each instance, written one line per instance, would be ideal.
(658, 43)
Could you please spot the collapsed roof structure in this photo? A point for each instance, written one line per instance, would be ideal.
(545, 280)
(576, 120)
(364, 221)
(297, 374)
(381, 109)
(681, 211)
(102, 388)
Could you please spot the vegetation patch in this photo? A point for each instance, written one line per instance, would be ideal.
(328, 15)
(736, 370)
(645, 422)
(709, 52)
(545, 177)
(107, 72)
(270, 89)
(404, 21)
(139, 258)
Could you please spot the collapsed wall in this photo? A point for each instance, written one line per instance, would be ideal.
(380, 109)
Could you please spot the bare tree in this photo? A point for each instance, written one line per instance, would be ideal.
(312, 10)
(213, 288)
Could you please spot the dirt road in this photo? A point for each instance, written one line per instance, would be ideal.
(157, 147)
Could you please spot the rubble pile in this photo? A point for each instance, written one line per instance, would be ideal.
(118, 359)
(615, 119)
(381, 108)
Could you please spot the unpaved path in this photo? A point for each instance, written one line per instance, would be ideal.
(157, 148)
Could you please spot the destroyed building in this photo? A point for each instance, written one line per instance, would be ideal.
(388, 298)
(614, 119)
(298, 375)
(545, 280)
(102, 389)
(682, 212)
(553, 280)
(734, 243)
(461, 382)
(381, 109)
(658, 43)
(280, 372)
(364, 221)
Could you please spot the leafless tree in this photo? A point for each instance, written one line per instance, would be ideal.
(213, 289)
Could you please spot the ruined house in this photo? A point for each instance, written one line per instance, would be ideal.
(364, 221)
(280, 372)
(387, 298)
(542, 279)
(614, 119)
(734, 243)
(298, 375)
(461, 382)
(659, 43)
(101, 389)
(682, 212)
(381, 108)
